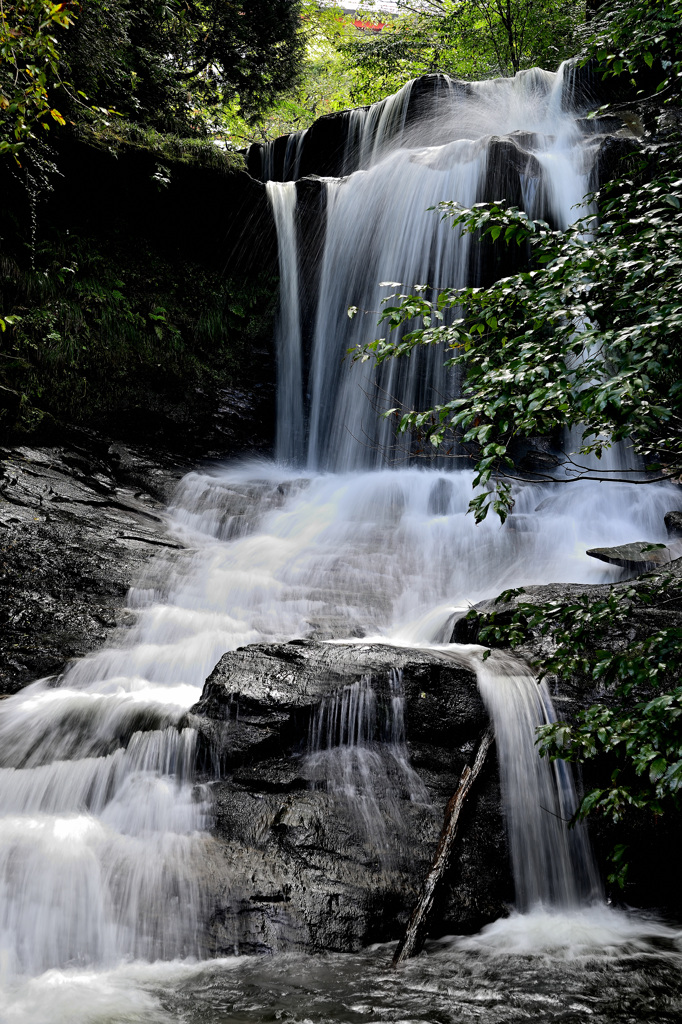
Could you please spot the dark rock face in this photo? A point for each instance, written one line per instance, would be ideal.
(201, 246)
(77, 524)
(328, 148)
(219, 216)
(323, 844)
(673, 524)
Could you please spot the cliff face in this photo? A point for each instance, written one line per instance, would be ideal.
(79, 524)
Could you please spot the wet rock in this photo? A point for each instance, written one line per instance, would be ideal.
(321, 845)
(640, 556)
(329, 146)
(73, 538)
(271, 684)
(673, 524)
(440, 497)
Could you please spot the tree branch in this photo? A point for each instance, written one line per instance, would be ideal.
(415, 933)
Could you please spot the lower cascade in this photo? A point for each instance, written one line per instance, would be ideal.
(552, 864)
(114, 827)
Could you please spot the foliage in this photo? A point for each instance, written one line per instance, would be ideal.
(587, 337)
(104, 326)
(469, 39)
(29, 70)
(640, 44)
(527, 33)
(324, 85)
(159, 65)
(118, 135)
(407, 47)
(164, 65)
(347, 67)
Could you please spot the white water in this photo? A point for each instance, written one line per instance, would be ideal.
(103, 838)
(101, 844)
(378, 229)
(552, 863)
(357, 751)
(290, 429)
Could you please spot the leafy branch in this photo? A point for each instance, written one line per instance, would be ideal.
(29, 70)
(585, 337)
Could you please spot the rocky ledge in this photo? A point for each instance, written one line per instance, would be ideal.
(77, 524)
(337, 761)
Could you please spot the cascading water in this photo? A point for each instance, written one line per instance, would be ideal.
(378, 228)
(102, 824)
(357, 751)
(103, 841)
(552, 862)
(290, 430)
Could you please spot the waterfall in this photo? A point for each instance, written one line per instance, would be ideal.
(290, 434)
(104, 833)
(551, 860)
(357, 752)
(99, 846)
(507, 138)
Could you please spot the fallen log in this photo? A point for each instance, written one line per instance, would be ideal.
(415, 933)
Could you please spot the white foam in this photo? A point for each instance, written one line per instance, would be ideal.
(595, 930)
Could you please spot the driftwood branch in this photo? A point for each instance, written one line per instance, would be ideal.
(415, 933)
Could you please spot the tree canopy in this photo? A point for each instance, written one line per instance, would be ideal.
(469, 39)
(161, 65)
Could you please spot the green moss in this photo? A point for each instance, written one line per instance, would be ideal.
(120, 135)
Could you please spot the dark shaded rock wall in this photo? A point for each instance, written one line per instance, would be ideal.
(78, 525)
(145, 292)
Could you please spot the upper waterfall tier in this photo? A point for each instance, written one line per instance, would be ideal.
(425, 112)
(522, 140)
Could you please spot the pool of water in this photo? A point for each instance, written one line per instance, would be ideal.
(598, 965)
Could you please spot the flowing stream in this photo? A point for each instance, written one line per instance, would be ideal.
(104, 829)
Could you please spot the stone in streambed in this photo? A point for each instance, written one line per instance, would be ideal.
(673, 524)
(639, 556)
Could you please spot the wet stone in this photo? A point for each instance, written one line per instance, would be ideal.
(336, 763)
(75, 533)
(673, 524)
(640, 556)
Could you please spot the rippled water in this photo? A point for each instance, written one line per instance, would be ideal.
(600, 966)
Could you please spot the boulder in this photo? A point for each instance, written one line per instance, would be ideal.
(639, 556)
(323, 844)
(78, 524)
(673, 524)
